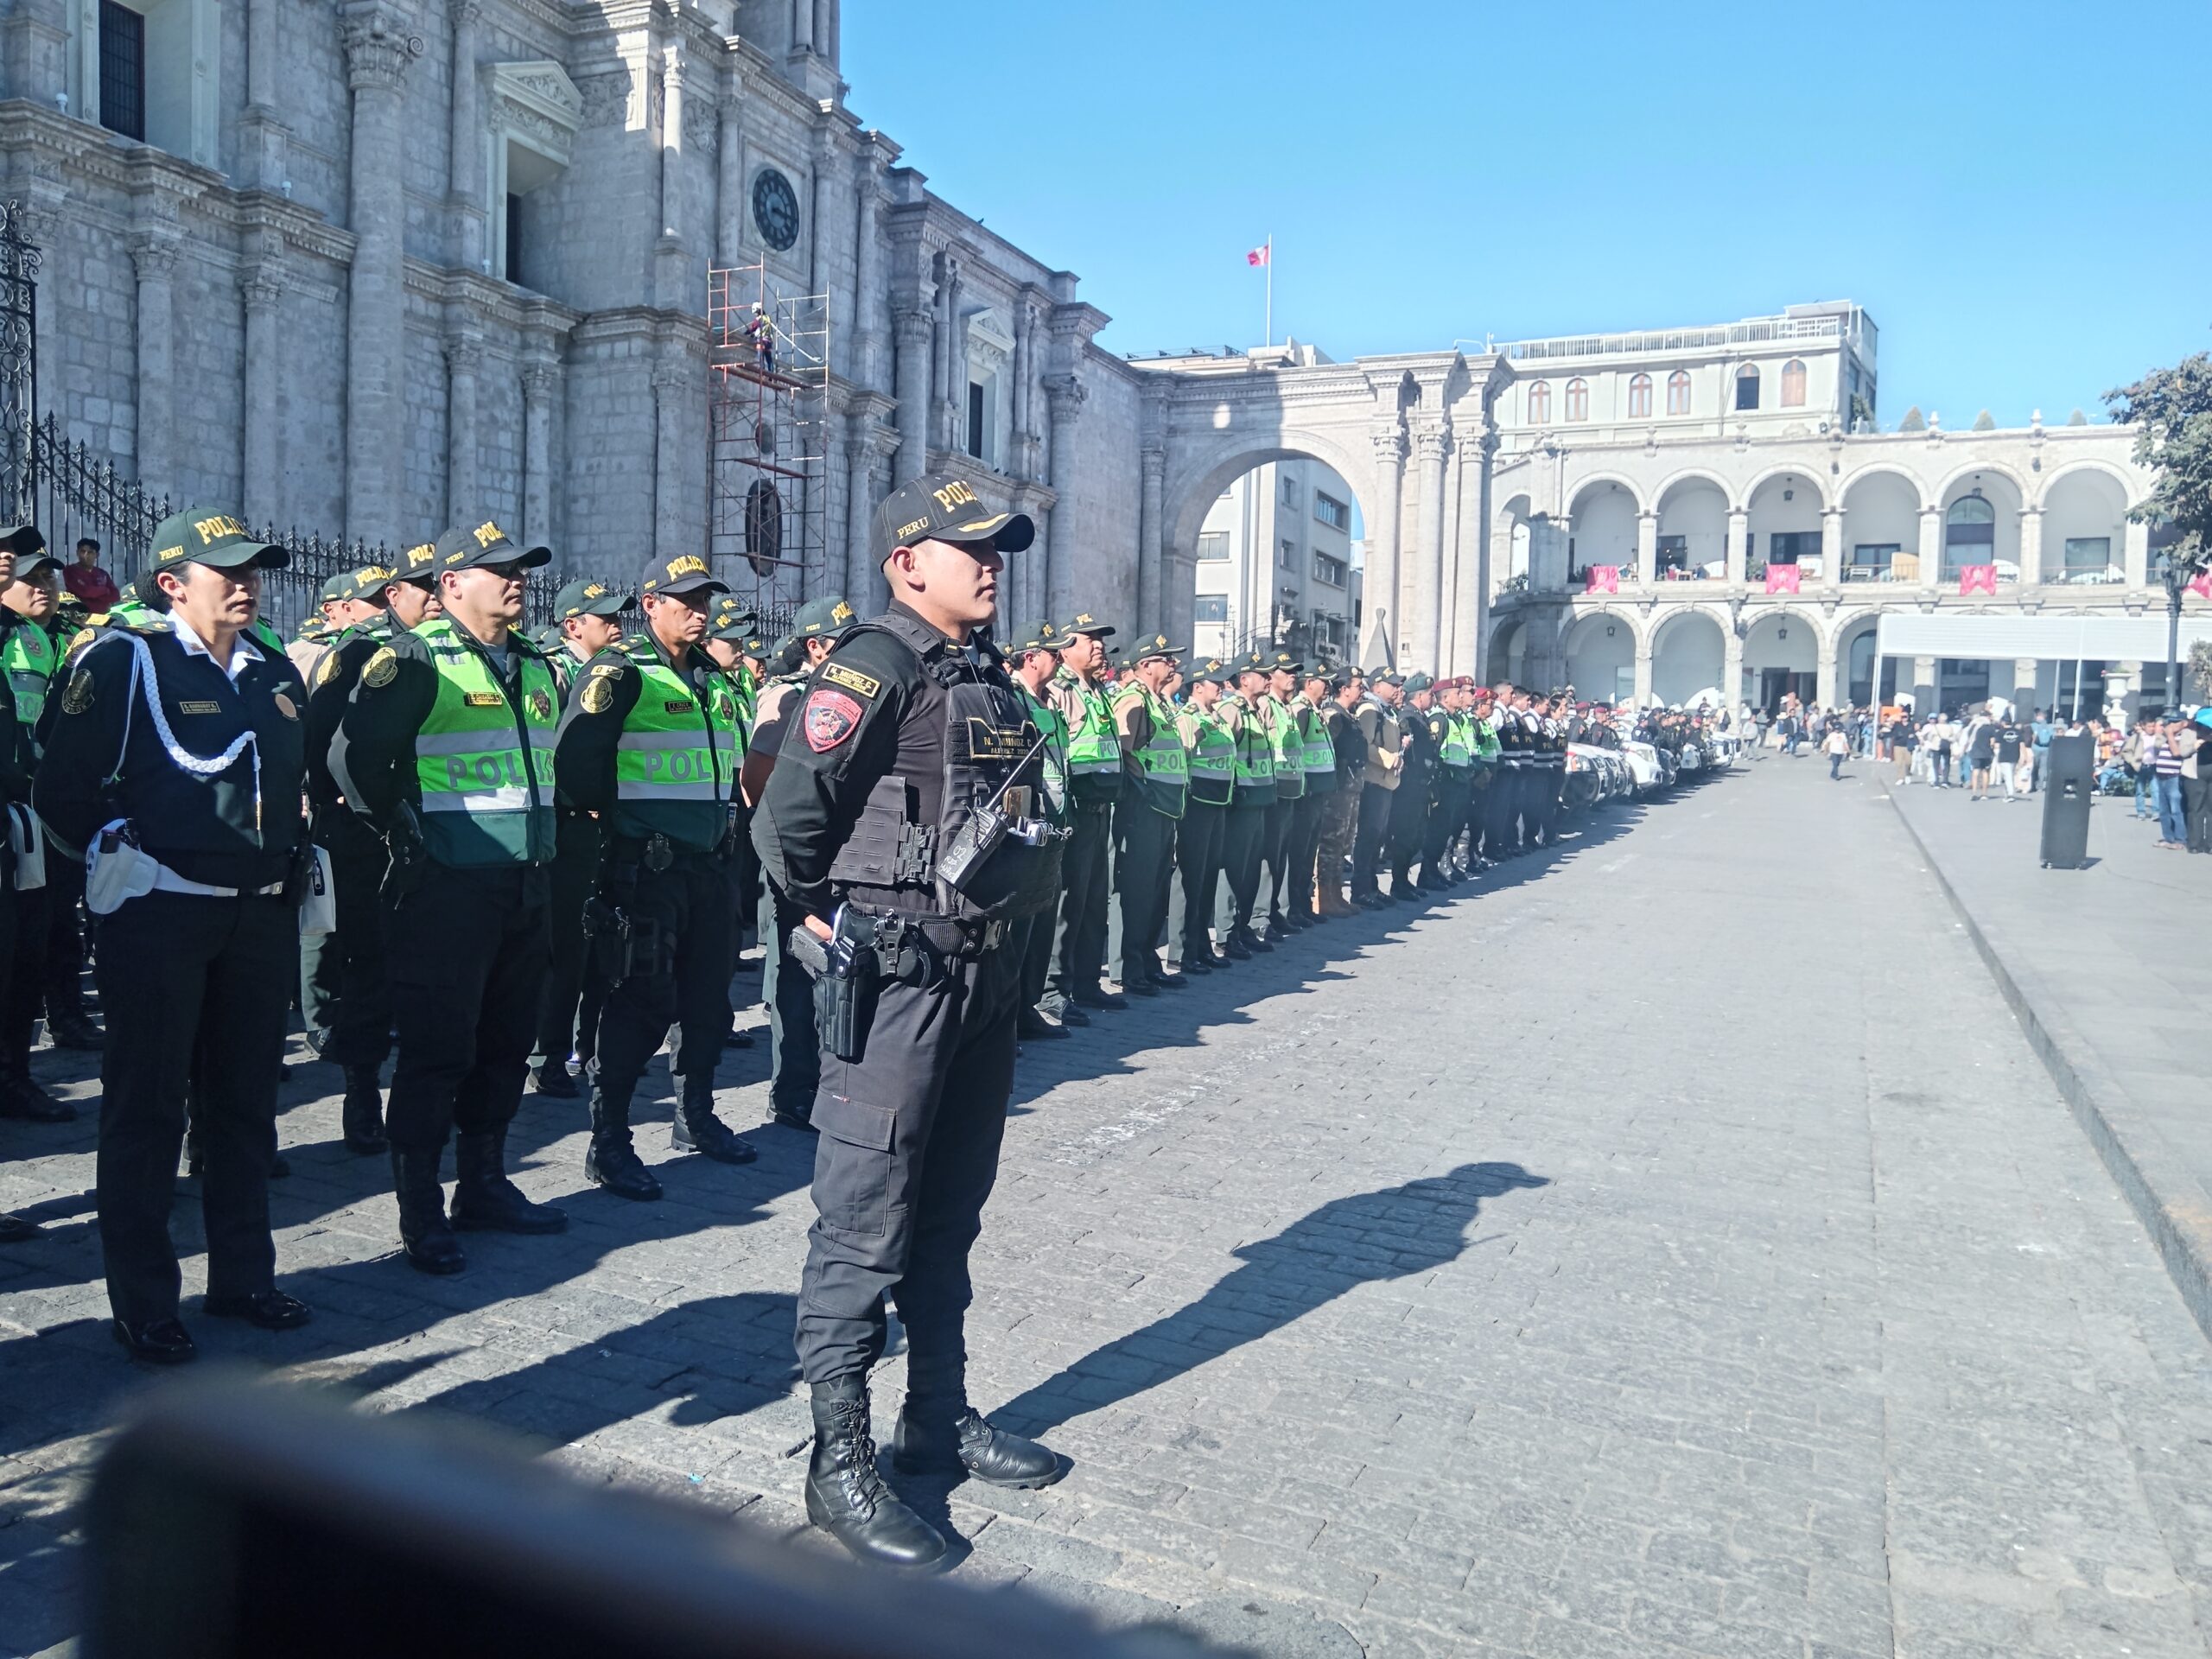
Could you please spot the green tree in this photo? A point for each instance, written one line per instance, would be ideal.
(1913, 420)
(2173, 408)
(1985, 421)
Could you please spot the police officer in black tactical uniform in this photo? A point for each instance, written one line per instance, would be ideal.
(404, 594)
(183, 782)
(16, 758)
(1409, 806)
(447, 749)
(651, 743)
(27, 659)
(901, 821)
(586, 621)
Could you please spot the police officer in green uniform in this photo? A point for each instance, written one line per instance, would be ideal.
(1286, 738)
(27, 580)
(1154, 785)
(1086, 701)
(793, 1055)
(447, 749)
(729, 631)
(586, 620)
(1210, 761)
(1318, 760)
(177, 762)
(401, 596)
(916, 910)
(1033, 654)
(1244, 832)
(651, 743)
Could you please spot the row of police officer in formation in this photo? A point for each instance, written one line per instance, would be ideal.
(544, 848)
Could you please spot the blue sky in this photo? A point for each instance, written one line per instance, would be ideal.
(2017, 193)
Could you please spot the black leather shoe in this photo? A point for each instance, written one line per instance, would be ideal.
(272, 1310)
(1372, 901)
(737, 1039)
(424, 1232)
(615, 1165)
(485, 1200)
(1233, 947)
(1193, 964)
(15, 1229)
(21, 1098)
(1070, 1015)
(158, 1342)
(1171, 982)
(794, 1117)
(1031, 1026)
(74, 1030)
(1254, 943)
(965, 1443)
(1140, 985)
(698, 1129)
(1277, 933)
(845, 1492)
(1101, 998)
(552, 1080)
(361, 1115)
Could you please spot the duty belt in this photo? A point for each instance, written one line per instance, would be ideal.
(905, 944)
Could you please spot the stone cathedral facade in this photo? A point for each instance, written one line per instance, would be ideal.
(373, 267)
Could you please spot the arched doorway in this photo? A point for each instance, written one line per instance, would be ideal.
(1856, 667)
(2084, 531)
(1781, 659)
(1785, 526)
(1981, 526)
(1601, 657)
(1278, 564)
(1601, 530)
(1881, 529)
(1693, 529)
(1508, 652)
(1687, 657)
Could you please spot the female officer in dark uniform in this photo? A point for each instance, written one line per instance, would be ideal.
(177, 754)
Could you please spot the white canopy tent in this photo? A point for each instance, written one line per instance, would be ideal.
(2077, 638)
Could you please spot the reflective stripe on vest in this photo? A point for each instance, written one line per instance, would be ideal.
(1255, 759)
(676, 763)
(1320, 753)
(1095, 746)
(1289, 744)
(485, 763)
(1165, 768)
(1212, 753)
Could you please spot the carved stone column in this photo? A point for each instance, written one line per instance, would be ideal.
(1152, 611)
(1423, 596)
(541, 389)
(1381, 628)
(668, 251)
(262, 132)
(1832, 545)
(1735, 550)
(376, 310)
(1931, 548)
(465, 202)
(675, 387)
(873, 302)
(262, 464)
(1066, 396)
(914, 324)
(464, 357)
(1646, 547)
(1021, 456)
(153, 255)
(1732, 664)
(2032, 571)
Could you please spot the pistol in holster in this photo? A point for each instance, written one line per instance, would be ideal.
(407, 859)
(846, 968)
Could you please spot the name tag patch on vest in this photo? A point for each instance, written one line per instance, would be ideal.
(679, 706)
(200, 707)
(829, 719)
(990, 742)
(851, 678)
(483, 699)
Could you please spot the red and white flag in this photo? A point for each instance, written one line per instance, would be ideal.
(1262, 255)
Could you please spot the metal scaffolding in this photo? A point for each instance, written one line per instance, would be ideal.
(768, 442)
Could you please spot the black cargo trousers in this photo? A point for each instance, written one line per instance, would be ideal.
(908, 1154)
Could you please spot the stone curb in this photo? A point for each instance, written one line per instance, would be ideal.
(2170, 1201)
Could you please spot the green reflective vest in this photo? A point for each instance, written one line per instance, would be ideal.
(1095, 746)
(1163, 769)
(1486, 743)
(28, 659)
(484, 756)
(1054, 759)
(676, 763)
(1459, 747)
(1290, 745)
(1210, 753)
(1321, 754)
(1256, 757)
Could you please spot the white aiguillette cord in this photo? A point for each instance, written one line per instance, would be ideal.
(200, 765)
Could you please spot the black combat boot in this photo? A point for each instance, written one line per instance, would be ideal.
(73, 1029)
(610, 1160)
(845, 1493)
(698, 1129)
(430, 1242)
(485, 1200)
(361, 1116)
(939, 1433)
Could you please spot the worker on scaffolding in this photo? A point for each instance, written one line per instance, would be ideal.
(760, 335)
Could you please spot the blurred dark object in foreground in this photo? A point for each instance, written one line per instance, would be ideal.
(241, 1521)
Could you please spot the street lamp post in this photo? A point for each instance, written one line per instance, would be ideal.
(2177, 584)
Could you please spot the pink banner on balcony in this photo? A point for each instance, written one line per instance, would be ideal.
(1601, 579)
(1783, 578)
(1977, 579)
(2202, 585)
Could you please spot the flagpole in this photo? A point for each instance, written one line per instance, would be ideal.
(1270, 340)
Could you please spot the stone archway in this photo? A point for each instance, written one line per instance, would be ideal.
(1688, 655)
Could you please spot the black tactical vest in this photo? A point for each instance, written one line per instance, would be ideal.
(961, 746)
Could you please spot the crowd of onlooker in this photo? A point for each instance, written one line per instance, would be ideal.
(1995, 753)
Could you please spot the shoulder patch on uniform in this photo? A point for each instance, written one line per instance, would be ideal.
(598, 694)
(284, 706)
(83, 636)
(851, 678)
(79, 697)
(541, 705)
(614, 670)
(383, 669)
(327, 670)
(828, 719)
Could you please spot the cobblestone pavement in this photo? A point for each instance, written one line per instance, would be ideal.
(1679, 1254)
